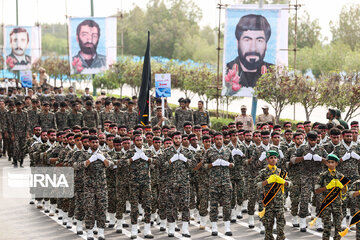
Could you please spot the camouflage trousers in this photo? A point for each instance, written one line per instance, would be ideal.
(112, 200)
(122, 192)
(237, 195)
(71, 209)
(193, 195)
(19, 144)
(220, 195)
(335, 210)
(268, 220)
(79, 205)
(178, 193)
(162, 202)
(349, 202)
(154, 197)
(140, 193)
(95, 199)
(295, 191)
(307, 188)
(253, 196)
(8, 147)
(203, 197)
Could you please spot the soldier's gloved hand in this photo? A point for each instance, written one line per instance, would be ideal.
(174, 158)
(100, 156)
(136, 156)
(262, 156)
(331, 184)
(143, 156)
(216, 163)
(346, 156)
(237, 151)
(280, 179)
(308, 156)
(182, 157)
(271, 179)
(281, 154)
(338, 184)
(93, 158)
(224, 163)
(317, 158)
(355, 155)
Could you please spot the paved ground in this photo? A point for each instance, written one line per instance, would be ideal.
(21, 221)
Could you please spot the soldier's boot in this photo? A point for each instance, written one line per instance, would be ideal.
(274, 227)
(52, 210)
(39, 204)
(244, 207)
(32, 199)
(128, 207)
(251, 221)
(119, 225)
(95, 229)
(220, 212)
(134, 231)
(124, 224)
(303, 224)
(203, 221)
(162, 225)
(192, 214)
(111, 220)
(79, 227)
(214, 229)
(233, 215)
(152, 219)
(47, 206)
(65, 218)
(295, 221)
(147, 231)
(348, 214)
(239, 212)
(90, 235)
(227, 228)
(171, 230)
(101, 235)
(185, 230)
(177, 229)
(262, 228)
(319, 225)
(61, 214)
(343, 223)
(141, 213)
(69, 223)
(158, 220)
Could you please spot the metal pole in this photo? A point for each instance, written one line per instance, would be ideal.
(93, 75)
(218, 63)
(295, 44)
(17, 15)
(163, 109)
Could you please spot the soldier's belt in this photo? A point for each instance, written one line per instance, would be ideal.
(274, 189)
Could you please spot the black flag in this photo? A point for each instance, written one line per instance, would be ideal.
(143, 100)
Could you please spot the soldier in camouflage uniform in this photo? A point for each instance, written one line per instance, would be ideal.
(33, 114)
(179, 161)
(275, 209)
(335, 135)
(118, 114)
(139, 160)
(90, 116)
(182, 115)
(46, 119)
(201, 116)
(19, 130)
(154, 173)
(326, 181)
(2, 125)
(354, 193)
(62, 117)
(75, 117)
(218, 160)
(8, 143)
(105, 115)
(311, 158)
(131, 116)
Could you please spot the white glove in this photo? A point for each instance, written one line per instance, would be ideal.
(346, 156)
(100, 156)
(216, 163)
(237, 151)
(262, 156)
(224, 163)
(174, 158)
(317, 158)
(281, 154)
(308, 156)
(93, 158)
(355, 155)
(136, 156)
(182, 157)
(143, 156)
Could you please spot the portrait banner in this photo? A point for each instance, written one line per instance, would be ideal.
(254, 40)
(92, 44)
(22, 47)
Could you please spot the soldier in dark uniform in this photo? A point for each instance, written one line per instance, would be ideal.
(46, 119)
(62, 116)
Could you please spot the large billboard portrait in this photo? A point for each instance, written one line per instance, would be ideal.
(252, 43)
(22, 46)
(92, 44)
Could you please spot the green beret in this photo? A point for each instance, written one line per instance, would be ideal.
(272, 153)
(333, 157)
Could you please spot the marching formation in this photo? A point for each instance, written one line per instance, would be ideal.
(178, 169)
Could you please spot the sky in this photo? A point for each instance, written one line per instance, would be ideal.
(54, 11)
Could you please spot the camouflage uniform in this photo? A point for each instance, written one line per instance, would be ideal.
(178, 183)
(181, 116)
(355, 187)
(111, 185)
(162, 166)
(310, 170)
(61, 119)
(59, 98)
(47, 121)
(90, 119)
(154, 174)
(54, 152)
(2, 129)
(19, 128)
(201, 117)
(275, 209)
(203, 184)
(219, 183)
(8, 144)
(70, 97)
(120, 117)
(74, 119)
(103, 116)
(333, 209)
(33, 118)
(131, 119)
